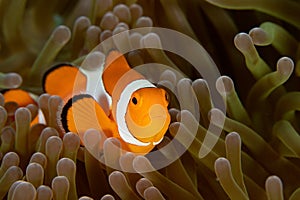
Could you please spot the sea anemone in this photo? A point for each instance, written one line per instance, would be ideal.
(256, 144)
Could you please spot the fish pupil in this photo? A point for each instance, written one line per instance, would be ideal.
(134, 101)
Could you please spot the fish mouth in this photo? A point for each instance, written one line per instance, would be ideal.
(158, 117)
(157, 137)
(149, 140)
(151, 130)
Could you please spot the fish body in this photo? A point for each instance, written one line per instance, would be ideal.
(23, 99)
(138, 115)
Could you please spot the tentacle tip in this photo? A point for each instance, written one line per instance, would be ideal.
(259, 36)
(233, 138)
(12, 80)
(107, 197)
(144, 22)
(66, 166)
(61, 34)
(151, 40)
(115, 178)
(109, 21)
(274, 187)
(93, 61)
(221, 164)
(142, 165)
(243, 42)
(224, 85)
(285, 66)
(82, 20)
(122, 12)
(119, 29)
(216, 116)
(23, 115)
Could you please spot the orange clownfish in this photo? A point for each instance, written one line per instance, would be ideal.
(138, 112)
(19, 96)
(23, 99)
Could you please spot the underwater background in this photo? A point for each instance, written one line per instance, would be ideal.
(254, 44)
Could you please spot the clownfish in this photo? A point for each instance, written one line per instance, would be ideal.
(23, 99)
(138, 112)
(19, 96)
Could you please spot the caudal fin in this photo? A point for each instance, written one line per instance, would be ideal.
(64, 80)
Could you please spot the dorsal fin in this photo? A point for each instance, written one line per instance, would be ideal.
(116, 66)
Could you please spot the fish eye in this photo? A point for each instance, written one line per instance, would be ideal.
(134, 101)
